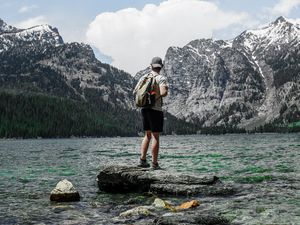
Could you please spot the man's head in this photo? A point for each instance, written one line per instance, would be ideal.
(156, 64)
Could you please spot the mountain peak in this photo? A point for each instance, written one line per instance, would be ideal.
(280, 31)
(42, 34)
(44, 28)
(280, 20)
(283, 21)
(5, 28)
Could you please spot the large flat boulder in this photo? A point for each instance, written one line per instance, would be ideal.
(123, 179)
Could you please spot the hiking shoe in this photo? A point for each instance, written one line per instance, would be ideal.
(155, 166)
(143, 163)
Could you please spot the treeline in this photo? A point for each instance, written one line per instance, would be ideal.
(275, 127)
(32, 115)
(221, 130)
(173, 125)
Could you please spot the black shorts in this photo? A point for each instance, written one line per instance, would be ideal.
(153, 120)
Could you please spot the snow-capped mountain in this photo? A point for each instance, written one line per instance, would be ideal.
(43, 35)
(281, 31)
(37, 59)
(249, 81)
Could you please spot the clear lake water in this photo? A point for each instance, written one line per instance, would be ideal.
(266, 167)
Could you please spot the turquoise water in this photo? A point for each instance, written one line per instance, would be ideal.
(265, 167)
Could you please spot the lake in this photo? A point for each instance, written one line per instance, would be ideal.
(264, 166)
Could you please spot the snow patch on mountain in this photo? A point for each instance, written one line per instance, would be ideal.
(281, 31)
(44, 34)
(6, 28)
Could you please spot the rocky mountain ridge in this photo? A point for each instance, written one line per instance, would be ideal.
(249, 81)
(37, 59)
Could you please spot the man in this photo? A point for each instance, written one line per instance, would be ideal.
(153, 118)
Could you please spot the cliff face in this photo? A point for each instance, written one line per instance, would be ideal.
(249, 81)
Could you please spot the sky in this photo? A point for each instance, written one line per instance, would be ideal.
(128, 33)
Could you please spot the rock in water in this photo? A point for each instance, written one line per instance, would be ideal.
(138, 211)
(123, 179)
(159, 203)
(155, 214)
(188, 205)
(64, 192)
(191, 218)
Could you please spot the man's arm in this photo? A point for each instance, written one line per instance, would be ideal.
(163, 90)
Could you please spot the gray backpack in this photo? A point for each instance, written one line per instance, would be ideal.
(145, 92)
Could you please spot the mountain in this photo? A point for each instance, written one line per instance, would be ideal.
(37, 59)
(247, 82)
(50, 88)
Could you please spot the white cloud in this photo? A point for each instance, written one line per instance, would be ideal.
(132, 37)
(31, 22)
(284, 7)
(295, 20)
(26, 9)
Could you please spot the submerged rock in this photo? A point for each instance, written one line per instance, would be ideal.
(195, 217)
(64, 192)
(123, 179)
(159, 203)
(188, 205)
(158, 214)
(138, 211)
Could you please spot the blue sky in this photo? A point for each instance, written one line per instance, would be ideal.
(71, 17)
(129, 33)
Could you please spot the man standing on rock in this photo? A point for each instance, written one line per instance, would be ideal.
(152, 116)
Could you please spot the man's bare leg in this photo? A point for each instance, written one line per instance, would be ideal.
(155, 147)
(145, 144)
